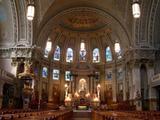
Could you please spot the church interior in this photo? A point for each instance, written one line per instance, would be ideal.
(79, 59)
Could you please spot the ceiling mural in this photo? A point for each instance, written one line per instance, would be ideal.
(83, 20)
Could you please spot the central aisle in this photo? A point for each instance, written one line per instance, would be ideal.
(81, 115)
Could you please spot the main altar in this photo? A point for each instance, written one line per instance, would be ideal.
(82, 99)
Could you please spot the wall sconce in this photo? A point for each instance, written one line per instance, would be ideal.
(30, 10)
(136, 9)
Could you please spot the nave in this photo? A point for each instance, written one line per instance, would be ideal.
(79, 60)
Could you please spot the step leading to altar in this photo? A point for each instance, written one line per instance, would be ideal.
(82, 114)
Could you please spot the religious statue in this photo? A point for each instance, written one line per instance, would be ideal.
(27, 69)
(66, 90)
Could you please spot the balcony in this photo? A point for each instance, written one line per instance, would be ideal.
(155, 80)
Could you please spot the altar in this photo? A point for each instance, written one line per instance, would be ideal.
(82, 99)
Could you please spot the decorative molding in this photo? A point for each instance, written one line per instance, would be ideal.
(21, 52)
(15, 20)
(16, 52)
(151, 24)
(139, 54)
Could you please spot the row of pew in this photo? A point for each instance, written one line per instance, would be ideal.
(36, 115)
(125, 115)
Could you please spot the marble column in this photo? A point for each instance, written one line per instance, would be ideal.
(50, 85)
(62, 83)
(102, 83)
(152, 91)
(93, 88)
(1, 93)
(136, 84)
(131, 86)
(40, 84)
(75, 83)
(124, 83)
(114, 85)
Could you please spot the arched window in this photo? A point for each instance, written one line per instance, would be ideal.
(82, 52)
(44, 72)
(108, 54)
(55, 74)
(118, 50)
(48, 47)
(57, 53)
(96, 55)
(69, 55)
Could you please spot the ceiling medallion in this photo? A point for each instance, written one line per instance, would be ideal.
(82, 20)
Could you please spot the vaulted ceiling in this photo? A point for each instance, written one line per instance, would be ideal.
(104, 20)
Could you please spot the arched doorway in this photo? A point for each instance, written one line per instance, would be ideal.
(144, 87)
(8, 92)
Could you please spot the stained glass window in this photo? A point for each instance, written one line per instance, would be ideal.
(57, 53)
(44, 72)
(118, 50)
(55, 74)
(109, 75)
(48, 48)
(96, 55)
(108, 54)
(120, 74)
(68, 75)
(97, 75)
(69, 55)
(46, 53)
(82, 52)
